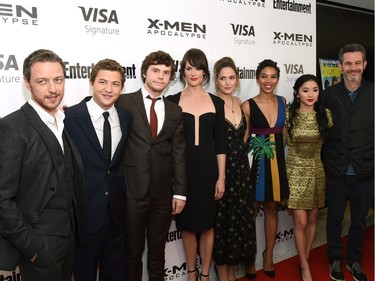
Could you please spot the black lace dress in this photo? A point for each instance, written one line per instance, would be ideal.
(235, 236)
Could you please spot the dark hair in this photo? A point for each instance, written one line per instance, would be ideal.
(41, 55)
(154, 58)
(197, 59)
(350, 48)
(222, 63)
(326, 84)
(107, 64)
(321, 115)
(267, 63)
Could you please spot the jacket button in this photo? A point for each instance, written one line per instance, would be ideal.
(106, 193)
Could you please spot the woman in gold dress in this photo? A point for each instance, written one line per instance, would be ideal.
(307, 123)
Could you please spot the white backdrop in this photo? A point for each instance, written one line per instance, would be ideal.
(85, 31)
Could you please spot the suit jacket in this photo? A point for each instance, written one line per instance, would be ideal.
(351, 138)
(104, 182)
(30, 176)
(154, 166)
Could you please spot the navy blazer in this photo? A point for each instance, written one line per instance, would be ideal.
(104, 182)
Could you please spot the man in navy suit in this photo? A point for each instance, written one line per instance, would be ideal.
(42, 196)
(104, 178)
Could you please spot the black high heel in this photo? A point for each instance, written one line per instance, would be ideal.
(193, 271)
(251, 276)
(269, 273)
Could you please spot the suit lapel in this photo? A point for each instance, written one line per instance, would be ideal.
(83, 119)
(167, 115)
(138, 101)
(124, 130)
(53, 146)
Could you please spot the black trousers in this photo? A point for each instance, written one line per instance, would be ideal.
(54, 262)
(359, 194)
(149, 219)
(105, 252)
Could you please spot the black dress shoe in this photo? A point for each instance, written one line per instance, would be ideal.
(251, 276)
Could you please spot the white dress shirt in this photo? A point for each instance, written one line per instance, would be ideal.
(54, 123)
(97, 119)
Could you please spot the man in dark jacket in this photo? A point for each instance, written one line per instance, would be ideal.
(101, 150)
(42, 197)
(348, 157)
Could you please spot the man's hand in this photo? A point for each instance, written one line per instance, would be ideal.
(177, 206)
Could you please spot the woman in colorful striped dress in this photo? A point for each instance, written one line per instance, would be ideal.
(266, 118)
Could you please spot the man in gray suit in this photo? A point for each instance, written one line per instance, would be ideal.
(42, 196)
(154, 167)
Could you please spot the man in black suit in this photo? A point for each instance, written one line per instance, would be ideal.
(154, 168)
(42, 196)
(86, 124)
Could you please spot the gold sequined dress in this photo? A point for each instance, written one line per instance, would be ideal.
(303, 164)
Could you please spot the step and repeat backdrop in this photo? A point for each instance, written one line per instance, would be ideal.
(83, 32)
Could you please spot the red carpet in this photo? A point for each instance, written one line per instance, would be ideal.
(287, 270)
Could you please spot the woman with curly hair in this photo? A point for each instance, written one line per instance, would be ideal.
(265, 115)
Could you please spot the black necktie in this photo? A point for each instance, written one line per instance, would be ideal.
(153, 118)
(107, 143)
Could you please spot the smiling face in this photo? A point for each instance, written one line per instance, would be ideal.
(157, 78)
(268, 79)
(352, 66)
(226, 81)
(106, 88)
(194, 76)
(308, 94)
(46, 85)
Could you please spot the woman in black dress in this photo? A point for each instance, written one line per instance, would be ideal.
(235, 236)
(203, 115)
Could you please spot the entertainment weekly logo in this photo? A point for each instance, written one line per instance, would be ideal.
(292, 6)
(245, 3)
(81, 71)
(292, 39)
(18, 15)
(95, 18)
(246, 73)
(10, 276)
(182, 29)
(173, 236)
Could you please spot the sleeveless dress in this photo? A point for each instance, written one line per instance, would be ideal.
(200, 209)
(235, 236)
(304, 167)
(269, 175)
